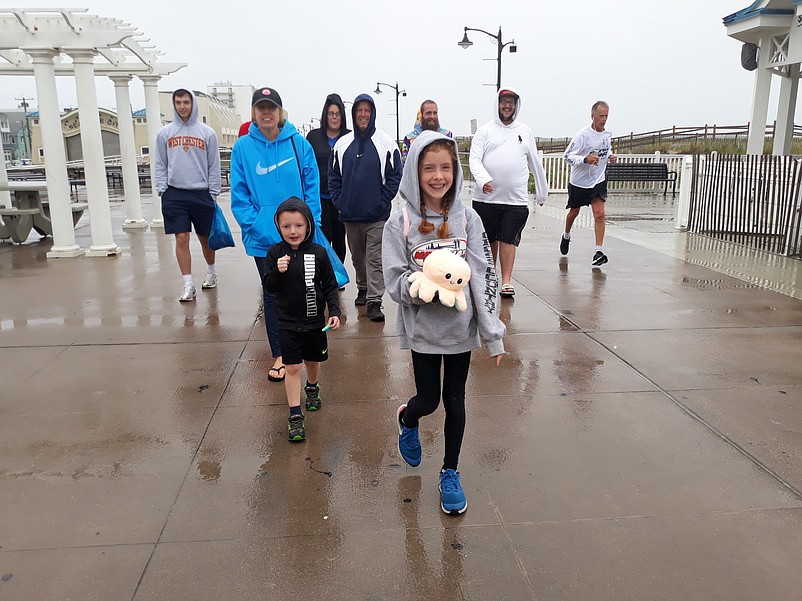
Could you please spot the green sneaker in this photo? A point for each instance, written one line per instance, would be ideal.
(296, 431)
(313, 401)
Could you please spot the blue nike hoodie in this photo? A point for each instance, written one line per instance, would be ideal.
(263, 175)
(365, 171)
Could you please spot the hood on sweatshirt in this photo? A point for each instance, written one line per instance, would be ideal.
(293, 203)
(410, 182)
(517, 112)
(193, 115)
(418, 127)
(371, 129)
(334, 100)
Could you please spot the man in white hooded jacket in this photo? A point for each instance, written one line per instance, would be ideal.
(503, 152)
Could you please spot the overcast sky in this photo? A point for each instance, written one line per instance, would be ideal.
(658, 64)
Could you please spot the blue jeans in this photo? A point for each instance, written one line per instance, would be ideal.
(271, 319)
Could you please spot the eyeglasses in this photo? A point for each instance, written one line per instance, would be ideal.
(506, 103)
(334, 114)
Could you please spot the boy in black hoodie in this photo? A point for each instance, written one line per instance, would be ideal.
(300, 274)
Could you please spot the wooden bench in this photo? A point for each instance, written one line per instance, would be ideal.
(643, 172)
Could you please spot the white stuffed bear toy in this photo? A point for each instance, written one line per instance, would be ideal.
(444, 274)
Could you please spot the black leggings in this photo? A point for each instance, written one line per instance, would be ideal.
(427, 384)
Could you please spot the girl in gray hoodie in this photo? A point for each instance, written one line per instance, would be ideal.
(432, 217)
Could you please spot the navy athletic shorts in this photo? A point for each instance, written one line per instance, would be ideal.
(183, 209)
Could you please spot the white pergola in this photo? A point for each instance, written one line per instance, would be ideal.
(775, 27)
(35, 42)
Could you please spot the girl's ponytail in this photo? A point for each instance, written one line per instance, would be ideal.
(425, 227)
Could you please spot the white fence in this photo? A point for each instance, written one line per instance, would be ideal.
(557, 172)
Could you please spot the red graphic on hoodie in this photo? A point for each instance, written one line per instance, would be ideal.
(187, 142)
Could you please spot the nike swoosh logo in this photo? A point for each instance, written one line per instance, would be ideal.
(265, 170)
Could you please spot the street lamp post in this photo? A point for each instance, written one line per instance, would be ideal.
(500, 44)
(397, 94)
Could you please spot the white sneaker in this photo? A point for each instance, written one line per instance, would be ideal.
(187, 292)
(210, 281)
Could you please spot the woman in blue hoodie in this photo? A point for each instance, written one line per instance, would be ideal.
(271, 164)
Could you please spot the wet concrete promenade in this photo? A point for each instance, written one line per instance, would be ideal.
(641, 441)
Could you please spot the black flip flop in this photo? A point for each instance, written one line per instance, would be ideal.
(278, 370)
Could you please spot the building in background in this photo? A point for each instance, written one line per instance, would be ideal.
(22, 134)
(71, 130)
(234, 97)
(5, 137)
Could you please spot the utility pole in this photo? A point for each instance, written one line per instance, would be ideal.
(27, 136)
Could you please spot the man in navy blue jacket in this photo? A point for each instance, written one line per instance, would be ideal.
(364, 175)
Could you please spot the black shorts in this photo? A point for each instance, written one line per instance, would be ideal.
(502, 222)
(308, 345)
(183, 209)
(581, 197)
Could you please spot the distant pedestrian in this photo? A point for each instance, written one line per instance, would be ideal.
(333, 125)
(503, 152)
(588, 154)
(299, 273)
(364, 175)
(188, 180)
(428, 120)
(434, 217)
(268, 166)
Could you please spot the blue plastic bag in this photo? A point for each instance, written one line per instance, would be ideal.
(220, 236)
(339, 269)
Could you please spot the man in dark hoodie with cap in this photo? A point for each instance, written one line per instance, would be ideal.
(364, 175)
(332, 126)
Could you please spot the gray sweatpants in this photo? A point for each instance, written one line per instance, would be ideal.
(365, 244)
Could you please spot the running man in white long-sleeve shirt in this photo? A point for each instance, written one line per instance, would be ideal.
(503, 152)
(588, 154)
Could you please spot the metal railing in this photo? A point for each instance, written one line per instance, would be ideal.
(748, 199)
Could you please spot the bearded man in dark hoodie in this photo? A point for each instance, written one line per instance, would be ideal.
(364, 175)
(332, 126)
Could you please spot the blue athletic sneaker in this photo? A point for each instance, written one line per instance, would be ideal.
(408, 441)
(452, 498)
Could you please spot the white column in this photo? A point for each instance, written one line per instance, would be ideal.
(151, 83)
(760, 100)
(5, 195)
(58, 185)
(784, 132)
(125, 123)
(97, 191)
